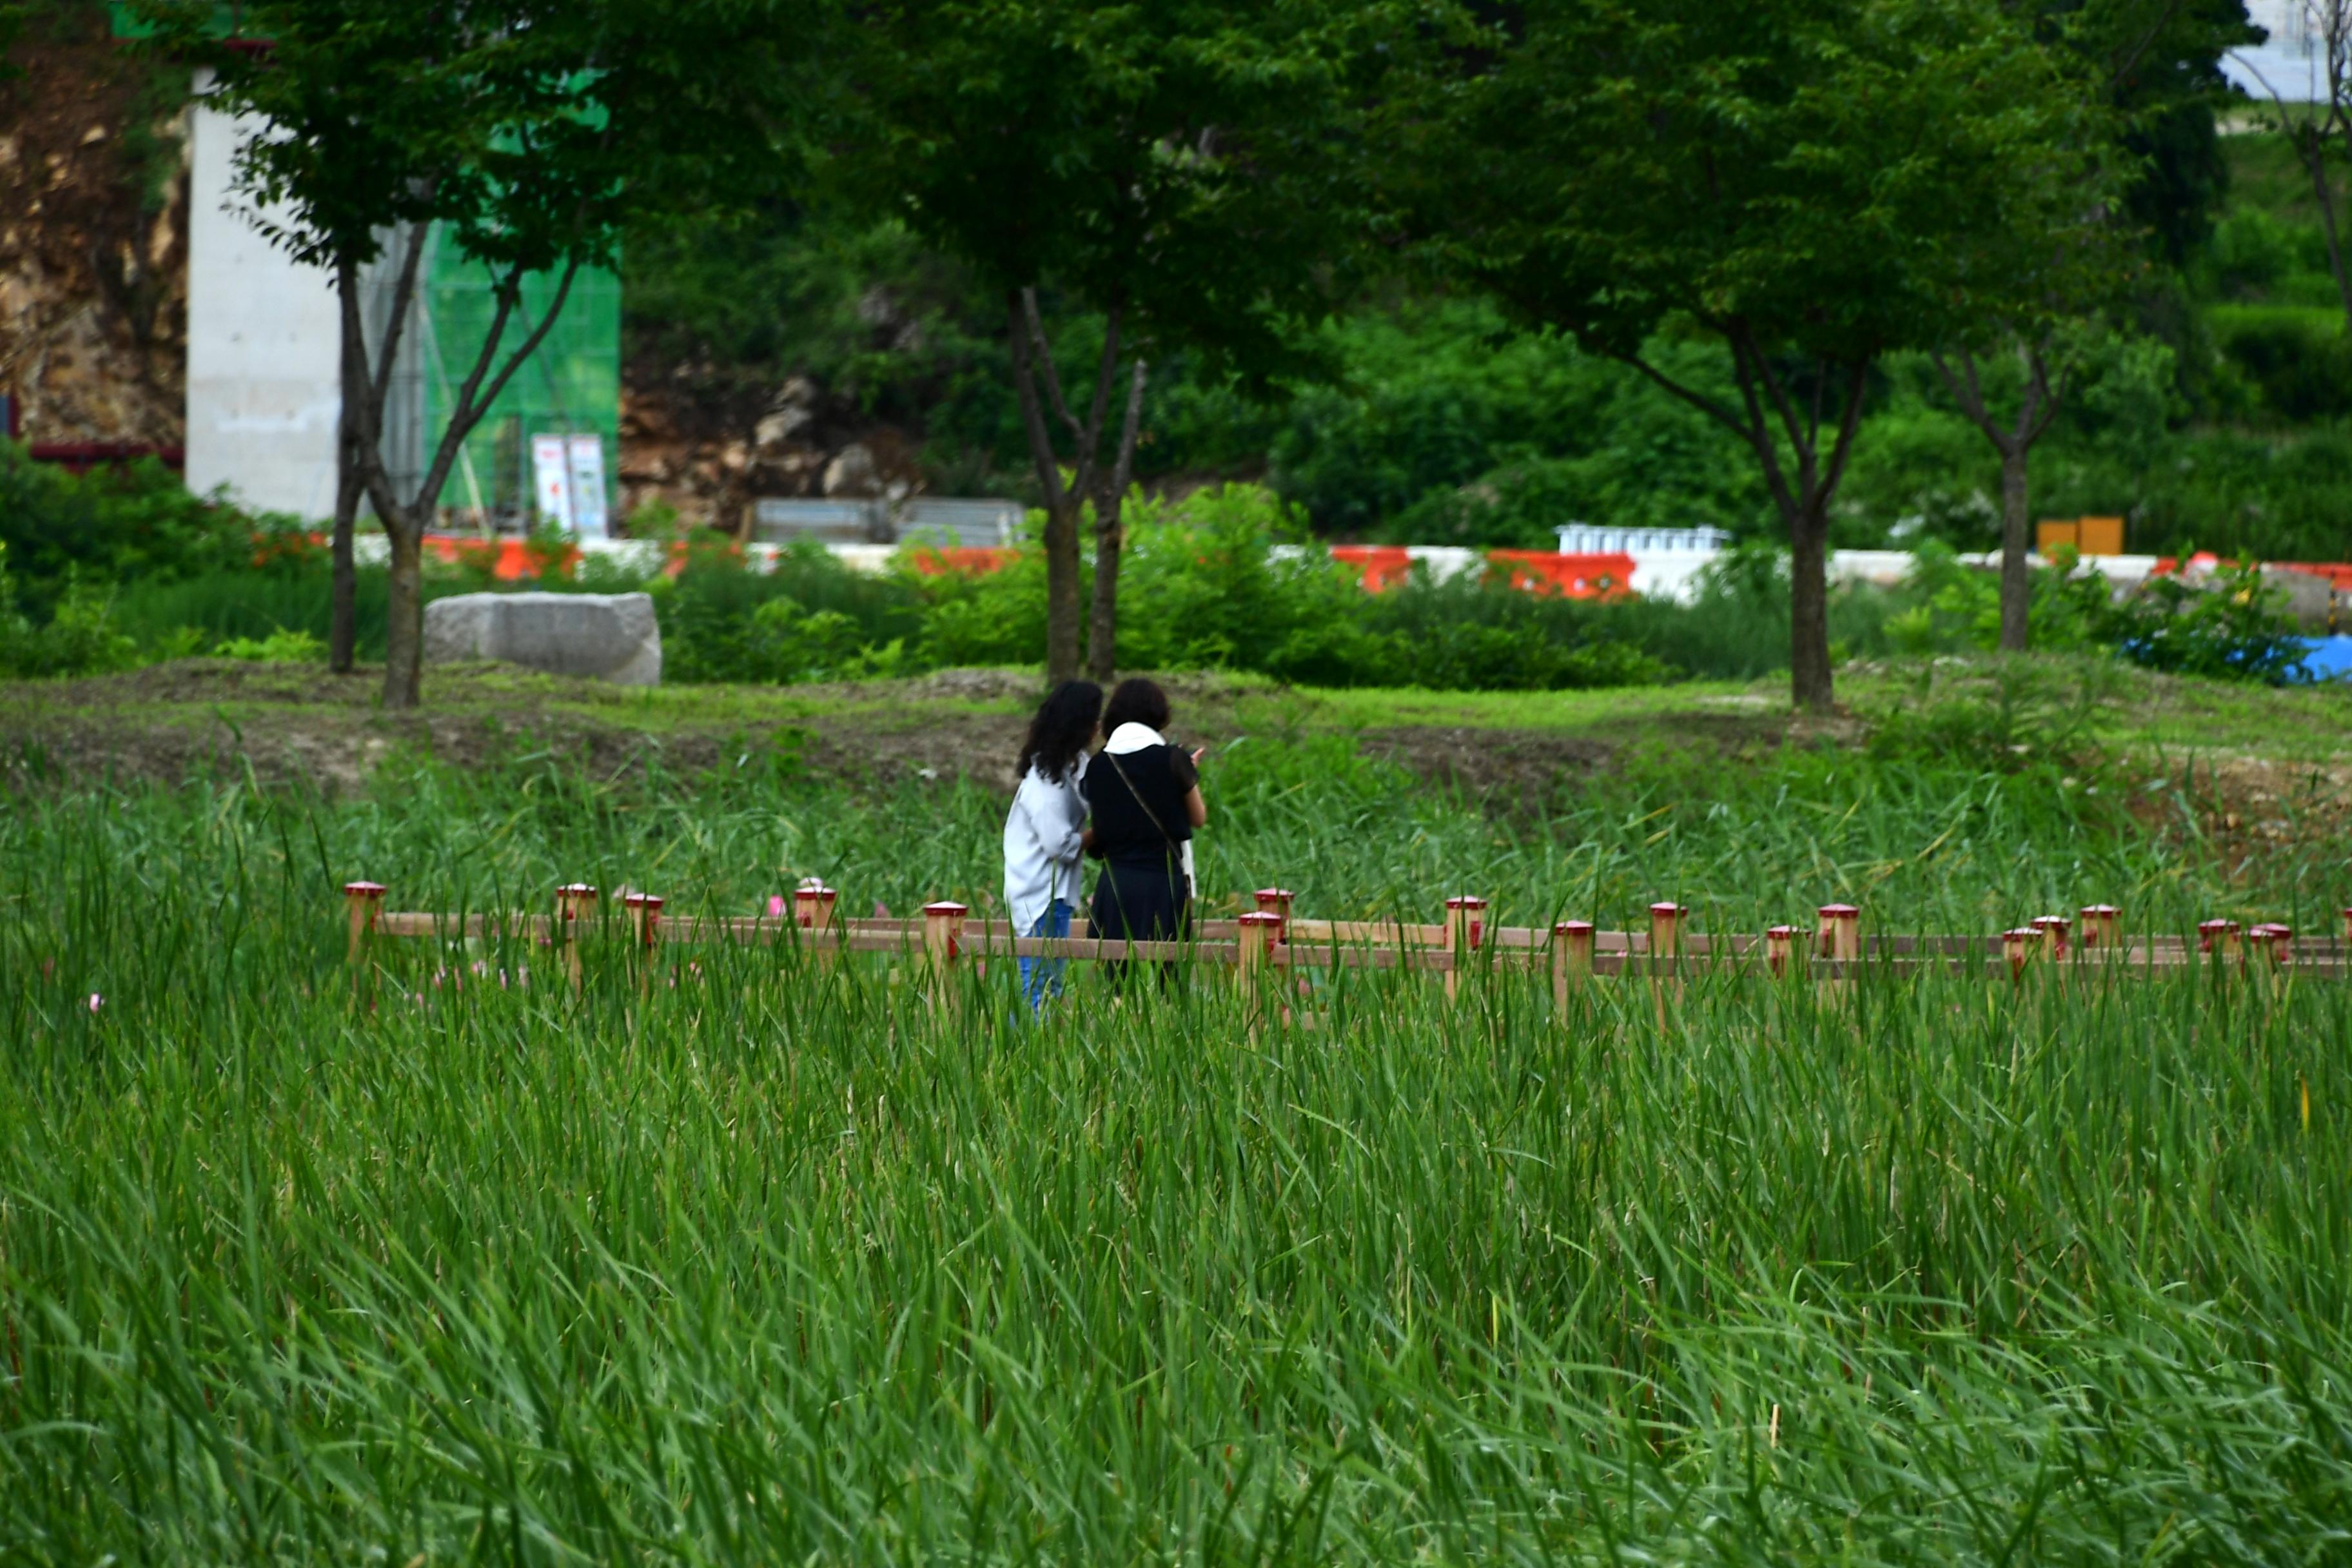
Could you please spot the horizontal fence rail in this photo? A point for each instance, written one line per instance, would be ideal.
(1462, 945)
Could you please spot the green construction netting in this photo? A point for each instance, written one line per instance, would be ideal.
(571, 386)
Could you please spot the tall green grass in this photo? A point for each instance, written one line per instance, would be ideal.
(733, 1260)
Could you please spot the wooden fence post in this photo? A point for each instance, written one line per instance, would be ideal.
(1276, 902)
(2049, 932)
(813, 904)
(572, 902)
(942, 945)
(1779, 946)
(1571, 961)
(644, 914)
(1666, 949)
(1841, 933)
(2102, 934)
(1260, 929)
(361, 902)
(2274, 944)
(1465, 933)
(2219, 938)
(2017, 946)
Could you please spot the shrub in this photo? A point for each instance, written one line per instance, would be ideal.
(2229, 629)
(117, 524)
(281, 647)
(80, 637)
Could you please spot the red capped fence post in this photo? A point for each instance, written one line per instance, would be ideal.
(1260, 929)
(572, 902)
(360, 902)
(2219, 940)
(1276, 902)
(1841, 938)
(2051, 933)
(1665, 951)
(2017, 946)
(1841, 933)
(1780, 947)
(644, 914)
(1572, 959)
(2274, 951)
(1465, 933)
(2101, 933)
(942, 945)
(813, 904)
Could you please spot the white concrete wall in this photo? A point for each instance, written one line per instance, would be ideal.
(2288, 64)
(263, 398)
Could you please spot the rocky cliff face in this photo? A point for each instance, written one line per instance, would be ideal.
(93, 235)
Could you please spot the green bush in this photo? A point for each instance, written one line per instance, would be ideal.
(2230, 629)
(811, 618)
(120, 524)
(2298, 358)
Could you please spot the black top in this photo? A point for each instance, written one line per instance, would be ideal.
(1125, 831)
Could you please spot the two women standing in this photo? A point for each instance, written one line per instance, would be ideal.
(1143, 796)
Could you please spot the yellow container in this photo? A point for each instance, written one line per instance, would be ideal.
(2100, 536)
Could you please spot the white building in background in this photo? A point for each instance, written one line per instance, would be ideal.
(263, 389)
(2290, 65)
(265, 344)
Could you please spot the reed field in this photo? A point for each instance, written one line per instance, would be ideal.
(727, 1256)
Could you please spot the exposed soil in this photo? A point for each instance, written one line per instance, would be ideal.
(171, 722)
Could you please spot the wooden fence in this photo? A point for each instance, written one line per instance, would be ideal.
(1272, 938)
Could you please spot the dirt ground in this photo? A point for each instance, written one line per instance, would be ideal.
(171, 722)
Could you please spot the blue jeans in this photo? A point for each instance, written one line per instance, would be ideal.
(1042, 977)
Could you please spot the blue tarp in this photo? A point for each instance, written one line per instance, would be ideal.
(2330, 659)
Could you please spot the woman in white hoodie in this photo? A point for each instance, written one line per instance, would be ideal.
(1044, 832)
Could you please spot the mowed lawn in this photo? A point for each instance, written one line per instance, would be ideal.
(730, 1256)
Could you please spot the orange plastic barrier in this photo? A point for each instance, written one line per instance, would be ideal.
(933, 561)
(1379, 566)
(1543, 572)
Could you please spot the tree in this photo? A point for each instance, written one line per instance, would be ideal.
(1156, 163)
(2038, 398)
(1811, 183)
(530, 132)
(2322, 136)
(2153, 65)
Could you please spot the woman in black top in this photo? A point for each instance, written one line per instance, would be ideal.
(1144, 797)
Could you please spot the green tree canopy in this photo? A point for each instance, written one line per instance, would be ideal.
(1172, 164)
(533, 132)
(1810, 183)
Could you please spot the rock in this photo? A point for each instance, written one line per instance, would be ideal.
(851, 472)
(790, 411)
(2302, 597)
(605, 637)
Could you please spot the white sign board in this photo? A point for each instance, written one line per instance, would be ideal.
(588, 518)
(551, 481)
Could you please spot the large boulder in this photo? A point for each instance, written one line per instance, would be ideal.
(606, 636)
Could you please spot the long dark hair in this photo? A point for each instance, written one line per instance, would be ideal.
(1059, 735)
(1136, 700)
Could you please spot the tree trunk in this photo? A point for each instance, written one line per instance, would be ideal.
(1062, 505)
(342, 615)
(1102, 631)
(1110, 539)
(404, 649)
(342, 623)
(2016, 585)
(1809, 678)
(1062, 610)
